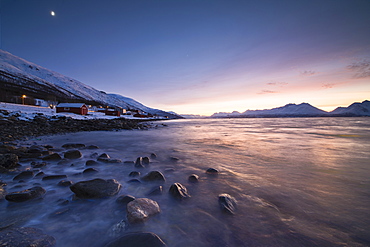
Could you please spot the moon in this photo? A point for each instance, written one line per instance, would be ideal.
(52, 13)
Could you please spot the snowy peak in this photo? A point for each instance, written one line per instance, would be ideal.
(303, 109)
(18, 76)
(356, 109)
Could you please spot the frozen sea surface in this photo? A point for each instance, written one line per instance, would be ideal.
(298, 182)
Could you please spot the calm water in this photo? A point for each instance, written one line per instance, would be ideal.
(298, 182)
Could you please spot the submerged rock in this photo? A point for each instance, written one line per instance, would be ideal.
(91, 163)
(178, 191)
(92, 147)
(212, 171)
(96, 188)
(154, 176)
(193, 178)
(24, 175)
(139, 162)
(25, 195)
(139, 239)
(125, 199)
(134, 174)
(54, 156)
(52, 177)
(25, 237)
(72, 154)
(73, 145)
(158, 190)
(90, 170)
(227, 203)
(145, 160)
(140, 209)
(65, 183)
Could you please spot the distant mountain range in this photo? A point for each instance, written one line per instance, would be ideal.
(301, 110)
(18, 76)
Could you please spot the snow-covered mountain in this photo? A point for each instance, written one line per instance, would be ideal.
(302, 110)
(19, 75)
(355, 109)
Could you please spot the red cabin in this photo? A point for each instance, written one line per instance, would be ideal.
(77, 108)
(112, 112)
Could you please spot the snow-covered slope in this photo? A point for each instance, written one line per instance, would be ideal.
(357, 109)
(34, 79)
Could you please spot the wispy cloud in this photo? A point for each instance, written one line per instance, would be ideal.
(267, 92)
(308, 72)
(329, 85)
(361, 69)
(278, 84)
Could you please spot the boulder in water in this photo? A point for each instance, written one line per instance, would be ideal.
(227, 203)
(193, 178)
(72, 154)
(178, 191)
(212, 171)
(26, 195)
(96, 188)
(73, 145)
(140, 209)
(153, 176)
(24, 175)
(53, 156)
(125, 199)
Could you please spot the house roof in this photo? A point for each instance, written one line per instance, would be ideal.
(73, 105)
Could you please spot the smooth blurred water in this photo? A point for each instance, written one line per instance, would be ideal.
(298, 182)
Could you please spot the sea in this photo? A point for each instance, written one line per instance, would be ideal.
(297, 182)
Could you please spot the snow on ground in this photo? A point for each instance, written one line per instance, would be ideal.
(28, 112)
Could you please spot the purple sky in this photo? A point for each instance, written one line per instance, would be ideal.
(200, 56)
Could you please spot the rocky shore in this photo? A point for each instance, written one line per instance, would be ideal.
(12, 128)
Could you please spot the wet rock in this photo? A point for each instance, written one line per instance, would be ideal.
(25, 237)
(73, 145)
(110, 160)
(25, 195)
(54, 156)
(94, 155)
(36, 149)
(174, 159)
(153, 176)
(157, 190)
(24, 175)
(145, 161)
(65, 183)
(227, 203)
(212, 171)
(8, 161)
(138, 240)
(125, 199)
(40, 174)
(134, 174)
(178, 191)
(139, 162)
(104, 156)
(91, 163)
(96, 188)
(153, 156)
(90, 170)
(52, 177)
(140, 209)
(72, 154)
(193, 178)
(38, 164)
(92, 147)
(134, 181)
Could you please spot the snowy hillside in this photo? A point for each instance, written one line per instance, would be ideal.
(37, 81)
(358, 109)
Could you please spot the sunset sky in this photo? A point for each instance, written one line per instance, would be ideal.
(200, 56)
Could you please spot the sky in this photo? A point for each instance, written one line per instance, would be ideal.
(200, 56)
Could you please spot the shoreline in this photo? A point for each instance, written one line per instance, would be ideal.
(13, 129)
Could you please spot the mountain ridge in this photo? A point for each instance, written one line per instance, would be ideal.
(19, 76)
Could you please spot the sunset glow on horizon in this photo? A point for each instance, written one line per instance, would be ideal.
(201, 57)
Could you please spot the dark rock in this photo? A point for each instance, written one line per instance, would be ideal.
(52, 177)
(125, 199)
(24, 175)
(94, 155)
(40, 174)
(54, 156)
(36, 149)
(73, 145)
(104, 156)
(153, 176)
(134, 174)
(178, 191)
(140, 209)
(25, 237)
(92, 147)
(8, 161)
(2, 192)
(141, 239)
(72, 154)
(174, 159)
(212, 171)
(158, 190)
(96, 188)
(139, 162)
(145, 160)
(110, 160)
(91, 163)
(38, 164)
(227, 203)
(48, 146)
(134, 181)
(89, 170)
(193, 178)
(25, 195)
(153, 156)
(65, 183)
